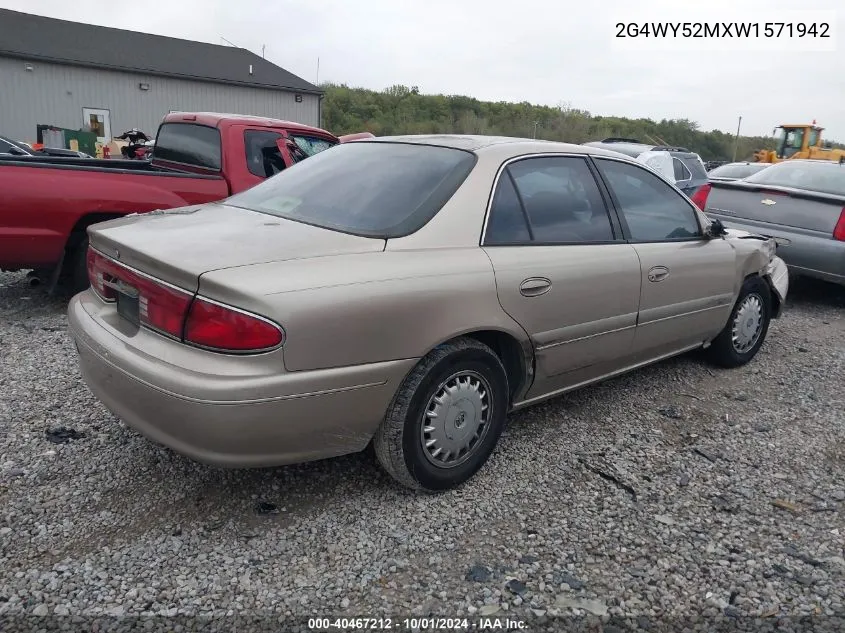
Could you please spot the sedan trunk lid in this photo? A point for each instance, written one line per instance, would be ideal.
(767, 207)
(179, 245)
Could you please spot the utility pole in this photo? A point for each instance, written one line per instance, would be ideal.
(536, 123)
(736, 140)
(263, 46)
(317, 81)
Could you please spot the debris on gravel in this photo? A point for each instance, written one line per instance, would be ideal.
(727, 506)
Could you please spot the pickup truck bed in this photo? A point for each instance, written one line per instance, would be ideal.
(60, 205)
(48, 202)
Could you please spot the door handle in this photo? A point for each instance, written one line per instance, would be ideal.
(535, 286)
(658, 273)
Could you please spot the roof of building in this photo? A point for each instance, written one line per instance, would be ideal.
(38, 38)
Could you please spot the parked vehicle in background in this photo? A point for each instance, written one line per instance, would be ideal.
(49, 202)
(801, 203)
(58, 151)
(735, 171)
(410, 291)
(14, 148)
(688, 168)
(8, 147)
(710, 165)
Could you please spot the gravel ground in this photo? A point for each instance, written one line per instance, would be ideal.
(675, 494)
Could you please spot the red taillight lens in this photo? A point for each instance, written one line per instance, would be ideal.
(160, 306)
(218, 327)
(98, 274)
(839, 231)
(700, 196)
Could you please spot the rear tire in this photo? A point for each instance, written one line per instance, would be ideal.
(746, 328)
(446, 417)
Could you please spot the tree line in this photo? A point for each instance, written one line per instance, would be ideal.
(403, 110)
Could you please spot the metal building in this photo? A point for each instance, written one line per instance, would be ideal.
(80, 76)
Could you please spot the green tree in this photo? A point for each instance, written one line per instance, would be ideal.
(402, 109)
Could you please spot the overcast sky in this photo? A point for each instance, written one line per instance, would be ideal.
(542, 51)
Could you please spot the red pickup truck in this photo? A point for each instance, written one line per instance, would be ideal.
(47, 203)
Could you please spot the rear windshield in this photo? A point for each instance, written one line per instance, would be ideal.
(824, 177)
(379, 189)
(188, 144)
(737, 171)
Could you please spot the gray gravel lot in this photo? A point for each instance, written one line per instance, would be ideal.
(679, 491)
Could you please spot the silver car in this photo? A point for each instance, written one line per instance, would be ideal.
(408, 292)
(799, 203)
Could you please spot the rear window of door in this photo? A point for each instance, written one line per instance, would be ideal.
(263, 157)
(653, 210)
(681, 171)
(548, 200)
(189, 144)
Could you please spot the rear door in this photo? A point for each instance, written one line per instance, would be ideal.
(563, 271)
(688, 280)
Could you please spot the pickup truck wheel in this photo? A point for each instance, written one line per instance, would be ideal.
(446, 417)
(79, 267)
(747, 326)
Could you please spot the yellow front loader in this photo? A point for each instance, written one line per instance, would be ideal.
(799, 141)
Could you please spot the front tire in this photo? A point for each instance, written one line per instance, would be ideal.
(446, 417)
(747, 326)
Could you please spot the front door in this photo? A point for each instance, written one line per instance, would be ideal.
(562, 271)
(687, 278)
(98, 121)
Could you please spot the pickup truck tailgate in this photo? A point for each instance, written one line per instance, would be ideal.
(179, 245)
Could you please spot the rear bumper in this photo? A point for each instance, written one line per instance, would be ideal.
(777, 275)
(237, 413)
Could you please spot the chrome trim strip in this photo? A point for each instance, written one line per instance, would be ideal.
(624, 370)
(584, 338)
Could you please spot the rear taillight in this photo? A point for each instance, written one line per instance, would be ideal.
(218, 327)
(839, 231)
(161, 306)
(98, 275)
(700, 196)
(178, 313)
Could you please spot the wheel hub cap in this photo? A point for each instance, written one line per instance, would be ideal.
(455, 419)
(747, 324)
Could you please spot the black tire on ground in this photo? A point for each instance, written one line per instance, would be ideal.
(78, 266)
(399, 441)
(753, 296)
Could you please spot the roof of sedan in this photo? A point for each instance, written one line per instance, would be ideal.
(475, 143)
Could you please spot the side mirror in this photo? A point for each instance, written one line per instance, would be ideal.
(716, 229)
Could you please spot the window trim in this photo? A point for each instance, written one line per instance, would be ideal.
(626, 231)
(615, 225)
